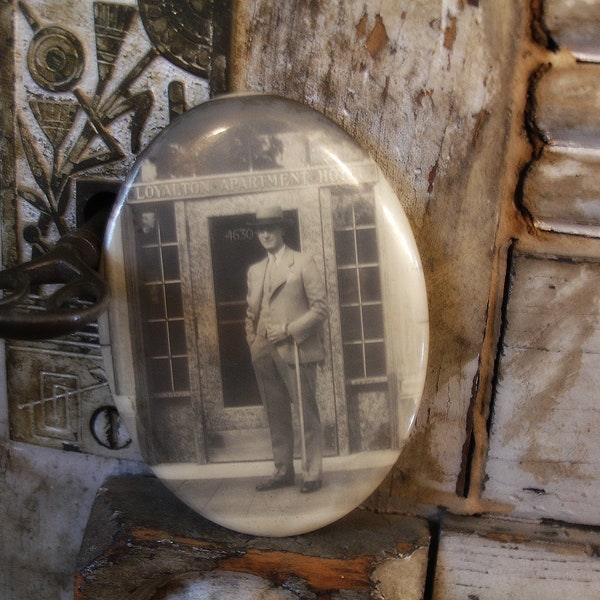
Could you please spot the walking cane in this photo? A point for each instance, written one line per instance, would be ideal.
(300, 407)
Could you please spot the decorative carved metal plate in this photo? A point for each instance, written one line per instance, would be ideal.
(88, 85)
(268, 326)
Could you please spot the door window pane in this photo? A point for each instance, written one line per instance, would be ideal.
(152, 300)
(364, 211)
(372, 321)
(181, 374)
(343, 213)
(374, 359)
(344, 248)
(348, 285)
(370, 290)
(150, 264)
(351, 325)
(170, 261)
(177, 339)
(157, 338)
(174, 300)
(166, 221)
(354, 361)
(366, 244)
(159, 375)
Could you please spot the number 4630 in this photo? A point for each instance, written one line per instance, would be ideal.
(238, 234)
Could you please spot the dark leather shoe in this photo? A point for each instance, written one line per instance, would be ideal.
(275, 483)
(310, 486)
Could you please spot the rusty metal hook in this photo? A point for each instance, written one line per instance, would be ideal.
(81, 298)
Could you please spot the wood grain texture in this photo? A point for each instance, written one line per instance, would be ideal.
(562, 191)
(428, 98)
(140, 537)
(575, 26)
(543, 455)
(498, 560)
(567, 100)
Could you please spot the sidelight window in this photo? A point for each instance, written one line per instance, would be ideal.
(161, 301)
(359, 284)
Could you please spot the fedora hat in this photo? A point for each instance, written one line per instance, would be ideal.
(270, 215)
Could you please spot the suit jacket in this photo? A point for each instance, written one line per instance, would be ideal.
(297, 299)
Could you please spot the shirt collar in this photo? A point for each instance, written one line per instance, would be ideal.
(276, 256)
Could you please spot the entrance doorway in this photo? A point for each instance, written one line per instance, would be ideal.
(234, 248)
(234, 421)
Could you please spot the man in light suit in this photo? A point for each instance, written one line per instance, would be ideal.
(286, 306)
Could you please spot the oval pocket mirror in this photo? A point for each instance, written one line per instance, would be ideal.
(268, 325)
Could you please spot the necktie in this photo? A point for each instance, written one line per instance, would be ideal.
(270, 266)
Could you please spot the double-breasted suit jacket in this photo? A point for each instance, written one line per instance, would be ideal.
(296, 299)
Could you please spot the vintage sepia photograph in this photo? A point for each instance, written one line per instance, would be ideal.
(270, 332)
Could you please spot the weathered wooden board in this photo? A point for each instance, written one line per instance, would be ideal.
(543, 455)
(575, 26)
(498, 560)
(425, 87)
(141, 539)
(567, 100)
(562, 191)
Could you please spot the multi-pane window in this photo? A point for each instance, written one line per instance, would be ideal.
(161, 301)
(359, 285)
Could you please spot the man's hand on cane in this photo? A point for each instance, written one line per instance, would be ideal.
(277, 332)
